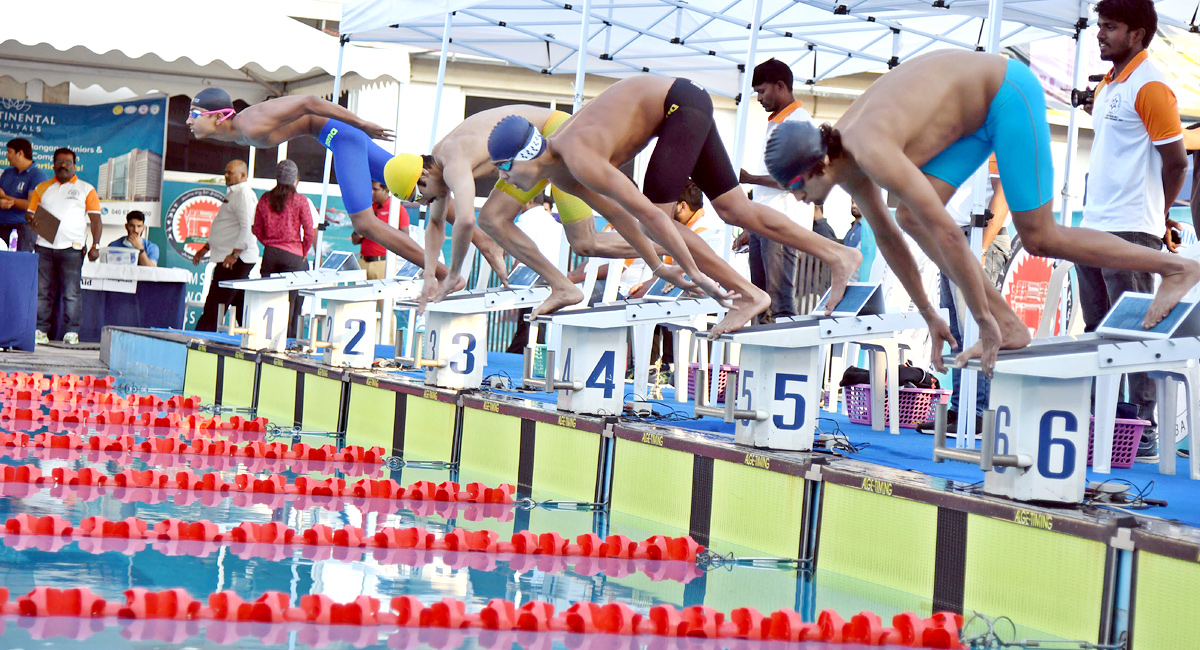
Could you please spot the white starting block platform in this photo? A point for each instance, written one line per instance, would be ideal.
(1036, 431)
(588, 368)
(351, 317)
(265, 307)
(782, 366)
(454, 348)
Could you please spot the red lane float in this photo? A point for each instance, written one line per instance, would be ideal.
(197, 463)
(939, 631)
(657, 548)
(123, 417)
(274, 484)
(40, 382)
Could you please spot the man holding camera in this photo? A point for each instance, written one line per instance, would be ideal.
(1138, 167)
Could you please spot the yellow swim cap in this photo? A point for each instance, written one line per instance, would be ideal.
(401, 174)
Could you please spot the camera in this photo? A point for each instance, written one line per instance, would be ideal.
(1087, 95)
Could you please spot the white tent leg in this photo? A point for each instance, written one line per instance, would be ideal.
(743, 112)
(337, 93)
(441, 80)
(581, 55)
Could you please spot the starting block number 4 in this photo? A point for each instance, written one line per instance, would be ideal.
(1047, 420)
(769, 382)
(590, 353)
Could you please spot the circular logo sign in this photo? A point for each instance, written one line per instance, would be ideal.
(189, 219)
(1026, 287)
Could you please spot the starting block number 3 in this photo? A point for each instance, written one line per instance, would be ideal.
(468, 342)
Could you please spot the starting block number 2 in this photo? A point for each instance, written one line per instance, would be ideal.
(781, 418)
(1046, 441)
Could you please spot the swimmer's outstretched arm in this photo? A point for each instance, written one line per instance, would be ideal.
(435, 236)
(890, 240)
(275, 113)
(461, 183)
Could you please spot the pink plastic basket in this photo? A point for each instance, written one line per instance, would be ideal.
(1127, 434)
(725, 370)
(916, 404)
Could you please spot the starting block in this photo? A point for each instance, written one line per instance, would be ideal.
(589, 370)
(782, 365)
(1036, 431)
(265, 305)
(453, 351)
(351, 316)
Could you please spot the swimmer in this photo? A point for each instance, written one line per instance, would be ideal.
(919, 132)
(356, 159)
(460, 158)
(584, 155)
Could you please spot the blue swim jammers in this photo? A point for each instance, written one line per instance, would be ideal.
(356, 160)
(1016, 120)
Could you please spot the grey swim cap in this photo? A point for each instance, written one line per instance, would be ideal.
(793, 148)
(212, 99)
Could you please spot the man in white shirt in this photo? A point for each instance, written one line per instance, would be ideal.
(60, 262)
(1139, 164)
(231, 245)
(773, 266)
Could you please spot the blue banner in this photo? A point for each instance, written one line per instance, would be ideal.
(119, 148)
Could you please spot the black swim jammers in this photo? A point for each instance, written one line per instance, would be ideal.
(688, 146)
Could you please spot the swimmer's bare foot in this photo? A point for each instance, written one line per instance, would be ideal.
(1173, 288)
(744, 307)
(1011, 333)
(841, 270)
(559, 298)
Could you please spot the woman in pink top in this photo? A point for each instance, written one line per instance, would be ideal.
(283, 223)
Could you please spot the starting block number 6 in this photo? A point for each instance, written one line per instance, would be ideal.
(1046, 441)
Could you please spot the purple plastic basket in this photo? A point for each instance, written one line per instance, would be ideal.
(725, 370)
(916, 404)
(1127, 434)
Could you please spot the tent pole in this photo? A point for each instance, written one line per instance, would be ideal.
(441, 80)
(743, 111)
(1073, 124)
(967, 326)
(337, 93)
(581, 62)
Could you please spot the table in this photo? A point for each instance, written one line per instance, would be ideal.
(18, 294)
(130, 296)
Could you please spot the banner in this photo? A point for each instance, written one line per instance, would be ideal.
(119, 148)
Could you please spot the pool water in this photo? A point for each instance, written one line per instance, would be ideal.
(109, 567)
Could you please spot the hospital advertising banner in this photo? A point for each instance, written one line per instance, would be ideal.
(119, 148)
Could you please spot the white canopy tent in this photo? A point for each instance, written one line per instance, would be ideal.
(144, 45)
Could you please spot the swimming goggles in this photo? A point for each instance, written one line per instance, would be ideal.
(225, 113)
(504, 165)
(797, 183)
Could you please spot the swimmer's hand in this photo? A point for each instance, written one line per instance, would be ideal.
(378, 132)
(708, 285)
(495, 259)
(939, 333)
(675, 276)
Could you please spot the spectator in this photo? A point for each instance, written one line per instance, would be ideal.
(773, 266)
(60, 262)
(15, 185)
(135, 227)
(854, 235)
(821, 224)
(231, 245)
(1139, 164)
(283, 222)
(373, 257)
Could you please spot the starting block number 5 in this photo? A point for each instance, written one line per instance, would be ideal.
(1046, 441)
(784, 419)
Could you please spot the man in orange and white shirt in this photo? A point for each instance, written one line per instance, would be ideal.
(1138, 166)
(60, 262)
(773, 266)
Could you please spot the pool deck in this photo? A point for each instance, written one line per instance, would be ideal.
(885, 513)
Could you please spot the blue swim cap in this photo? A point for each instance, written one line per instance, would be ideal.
(515, 138)
(792, 149)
